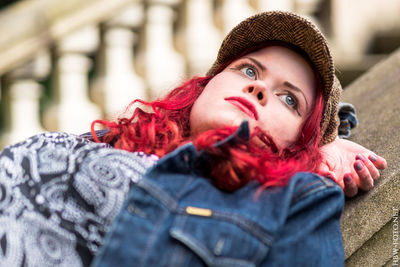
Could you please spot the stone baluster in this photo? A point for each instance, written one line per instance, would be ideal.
(234, 11)
(22, 91)
(117, 83)
(269, 5)
(202, 38)
(352, 27)
(307, 8)
(72, 110)
(163, 66)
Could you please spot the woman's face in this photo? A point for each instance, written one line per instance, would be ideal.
(273, 88)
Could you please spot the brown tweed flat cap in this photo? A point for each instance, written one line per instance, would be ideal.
(298, 31)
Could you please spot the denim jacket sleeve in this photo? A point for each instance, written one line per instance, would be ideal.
(311, 234)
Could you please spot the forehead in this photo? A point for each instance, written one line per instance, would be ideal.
(282, 53)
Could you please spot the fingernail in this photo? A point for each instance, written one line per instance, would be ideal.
(329, 176)
(358, 166)
(347, 178)
(360, 157)
(372, 158)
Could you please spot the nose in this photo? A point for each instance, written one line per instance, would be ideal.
(258, 90)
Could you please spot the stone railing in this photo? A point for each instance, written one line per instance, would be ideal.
(47, 48)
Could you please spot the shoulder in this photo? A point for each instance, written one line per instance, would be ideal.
(67, 187)
(304, 188)
(310, 192)
(52, 139)
(305, 184)
(56, 152)
(310, 229)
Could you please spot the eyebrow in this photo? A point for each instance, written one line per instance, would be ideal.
(295, 88)
(258, 63)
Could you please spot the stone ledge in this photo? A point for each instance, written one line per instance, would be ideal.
(376, 96)
(369, 255)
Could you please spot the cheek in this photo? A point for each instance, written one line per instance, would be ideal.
(202, 115)
(206, 115)
(282, 126)
(210, 110)
(195, 116)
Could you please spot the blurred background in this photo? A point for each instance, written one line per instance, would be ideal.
(64, 64)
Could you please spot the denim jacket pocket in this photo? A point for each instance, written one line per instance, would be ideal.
(218, 242)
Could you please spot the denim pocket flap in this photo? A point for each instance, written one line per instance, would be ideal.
(218, 242)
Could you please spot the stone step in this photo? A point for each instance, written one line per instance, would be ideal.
(380, 46)
(348, 70)
(369, 220)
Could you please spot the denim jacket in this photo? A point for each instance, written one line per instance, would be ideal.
(176, 217)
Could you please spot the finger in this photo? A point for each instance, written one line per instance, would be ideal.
(324, 170)
(331, 175)
(350, 186)
(365, 179)
(373, 171)
(378, 161)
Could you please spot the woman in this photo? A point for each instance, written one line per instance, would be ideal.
(233, 185)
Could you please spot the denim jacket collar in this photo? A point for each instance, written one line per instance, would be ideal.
(186, 159)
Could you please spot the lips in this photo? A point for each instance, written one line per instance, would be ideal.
(243, 105)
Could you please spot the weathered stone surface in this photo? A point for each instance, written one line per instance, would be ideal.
(389, 263)
(367, 255)
(376, 96)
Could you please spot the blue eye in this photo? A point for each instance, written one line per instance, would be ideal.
(289, 100)
(248, 71)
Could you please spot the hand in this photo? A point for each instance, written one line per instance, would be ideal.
(350, 165)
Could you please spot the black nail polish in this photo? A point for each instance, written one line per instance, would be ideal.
(358, 166)
(360, 157)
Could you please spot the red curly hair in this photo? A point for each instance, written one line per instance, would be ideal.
(231, 165)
